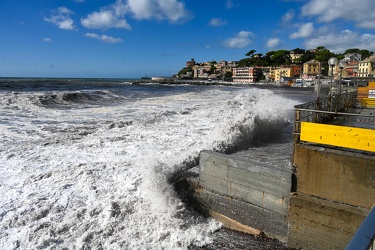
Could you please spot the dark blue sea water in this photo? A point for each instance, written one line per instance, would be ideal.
(85, 163)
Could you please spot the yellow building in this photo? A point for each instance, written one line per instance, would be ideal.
(282, 72)
(311, 68)
(366, 67)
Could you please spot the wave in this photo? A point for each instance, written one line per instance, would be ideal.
(112, 188)
(64, 100)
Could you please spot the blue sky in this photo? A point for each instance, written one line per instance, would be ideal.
(133, 38)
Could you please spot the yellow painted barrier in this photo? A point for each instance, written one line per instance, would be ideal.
(368, 102)
(341, 136)
(364, 92)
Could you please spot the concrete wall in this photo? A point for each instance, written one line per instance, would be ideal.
(338, 175)
(251, 192)
(317, 223)
(335, 191)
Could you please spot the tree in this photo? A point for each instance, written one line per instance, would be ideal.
(212, 69)
(281, 57)
(308, 56)
(250, 53)
(184, 72)
(299, 51)
(228, 76)
(323, 56)
(365, 53)
(268, 58)
(350, 51)
(258, 60)
(246, 62)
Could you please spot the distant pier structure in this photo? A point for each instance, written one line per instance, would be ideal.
(325, 201)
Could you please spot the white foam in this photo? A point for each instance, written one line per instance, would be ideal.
(97, 177)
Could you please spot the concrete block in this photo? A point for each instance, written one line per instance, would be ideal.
(343, 176)
(250, 181)
(316, 223)
(259, 198)
(250, 192)
(273, 224)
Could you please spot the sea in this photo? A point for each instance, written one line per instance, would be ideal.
(88, 163)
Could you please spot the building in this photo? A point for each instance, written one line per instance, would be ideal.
(191, 63)
(200, 72)
(296, 70)
(294, 57)
(353, 57)
(311, 69)
(246, 74)
(351, 69)
(268, 73)
(366, 67)
(280, 73)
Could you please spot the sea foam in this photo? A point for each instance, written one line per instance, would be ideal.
(97, 176)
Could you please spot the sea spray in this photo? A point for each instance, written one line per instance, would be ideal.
(96, 173)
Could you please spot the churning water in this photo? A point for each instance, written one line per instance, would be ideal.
(85, 164)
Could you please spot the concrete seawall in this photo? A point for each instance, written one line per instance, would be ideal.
(335, 192)
(249, 192)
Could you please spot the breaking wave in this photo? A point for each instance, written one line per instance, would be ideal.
(100, 176)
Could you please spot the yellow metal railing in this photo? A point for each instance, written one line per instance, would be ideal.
(322, 122)
(339, 136)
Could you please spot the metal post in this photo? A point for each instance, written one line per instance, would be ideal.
(319, 84)
(331, 62)
(340, 80)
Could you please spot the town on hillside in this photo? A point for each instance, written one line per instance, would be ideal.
(293, 68)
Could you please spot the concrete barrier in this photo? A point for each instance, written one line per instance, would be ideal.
(317, 223)
(342, 176)
(251, 192)
(335, 191)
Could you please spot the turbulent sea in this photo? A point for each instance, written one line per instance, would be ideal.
(87, 164)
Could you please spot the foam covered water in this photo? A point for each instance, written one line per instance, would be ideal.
(89, 168)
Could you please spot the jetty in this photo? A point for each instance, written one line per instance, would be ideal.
(324, 201)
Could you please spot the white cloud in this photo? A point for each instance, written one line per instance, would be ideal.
(361, 12)
(273, 42)
(217, 22)
(61, 18)
(104, 38)
(113, 16)
(240, 40)
(47, 40)
(104, 19)
(229, 4)
(339, 42)
(305, 30)
(287, 17)
(171, 10)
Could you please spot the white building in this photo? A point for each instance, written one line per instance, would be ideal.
(246, 74)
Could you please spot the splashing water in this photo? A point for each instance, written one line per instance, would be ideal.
(89, 169)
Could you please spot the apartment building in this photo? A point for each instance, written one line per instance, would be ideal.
(246, 74)
(280, 73)
(311, 68)
(200, 72)
(296, 70)
(366, 67)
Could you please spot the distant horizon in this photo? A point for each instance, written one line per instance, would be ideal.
(122, 38)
